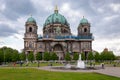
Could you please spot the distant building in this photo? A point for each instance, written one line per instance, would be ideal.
(105, 50)
(57, 36)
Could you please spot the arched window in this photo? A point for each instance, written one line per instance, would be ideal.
(30, 45)
(85, 30)
(30, 29)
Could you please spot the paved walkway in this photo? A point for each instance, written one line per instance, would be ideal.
(112, 71)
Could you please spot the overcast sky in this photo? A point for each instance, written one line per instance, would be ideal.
(104, 16)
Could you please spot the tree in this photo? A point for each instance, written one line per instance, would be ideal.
(22, 56)
(46, 56)
(107, 55)
(39, 56)
(15, 56)
(117, 58)
(67, 57)
(54, 56)
(8, 54)
(75, 56)
(83, 56)
(30, 56)
(97, 56)
(111, 55)
(90, 56)
(102, 56)
(1, 56)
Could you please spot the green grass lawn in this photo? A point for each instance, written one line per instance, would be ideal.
(35, 74)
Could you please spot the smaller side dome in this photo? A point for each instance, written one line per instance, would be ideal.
(83, 20)
(31, 19)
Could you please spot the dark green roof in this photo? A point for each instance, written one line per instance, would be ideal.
(31, 19)
(56, 18)
(83, 20)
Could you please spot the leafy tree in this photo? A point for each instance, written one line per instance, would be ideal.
(117, 58)
(54, 56)
(15, 56)
(39, 56)
(31, 56)
(1, 56)
(107, 55)
(111, 55)
(9, 54)
(83, 56)
(97, 56)
(46, 56)
(67, 57)
(75, 56)
(22, 56)
(90, 56)
(102, 56)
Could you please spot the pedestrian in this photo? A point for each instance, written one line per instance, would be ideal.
(102, 65)
(14, 64)
(21, 63)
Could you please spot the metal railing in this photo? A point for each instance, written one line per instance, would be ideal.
(69, 37)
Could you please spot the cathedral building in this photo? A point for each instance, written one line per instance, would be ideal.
(57, 36)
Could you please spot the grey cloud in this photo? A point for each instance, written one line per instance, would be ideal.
(16, 8)
(107, 29)
(6, 31)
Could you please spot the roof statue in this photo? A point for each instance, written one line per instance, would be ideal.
(58, 30)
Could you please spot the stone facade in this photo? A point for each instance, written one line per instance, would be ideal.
(57, 37)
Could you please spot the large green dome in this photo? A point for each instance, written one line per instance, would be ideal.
(83, 20)
(31, 19)
(56, 18)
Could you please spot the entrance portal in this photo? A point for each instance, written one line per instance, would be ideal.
(58, 49)
(86, 55)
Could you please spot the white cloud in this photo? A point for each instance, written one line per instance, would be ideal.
(46, 5)
(111, 44)
(72, 14)
(109, 18)
(2, 7)
(115, 7)
(101, 10)
(13, 42)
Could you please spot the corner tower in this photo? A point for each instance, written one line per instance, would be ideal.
(30, 36)
(86, 36)
(84, 27)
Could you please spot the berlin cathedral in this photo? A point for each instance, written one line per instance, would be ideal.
(57, 36)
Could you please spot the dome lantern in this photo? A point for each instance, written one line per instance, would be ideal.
(56, 9)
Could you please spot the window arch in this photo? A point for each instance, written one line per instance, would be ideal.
(30, 29)
(85, 29)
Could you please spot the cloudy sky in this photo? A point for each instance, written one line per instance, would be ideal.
(104, 16)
